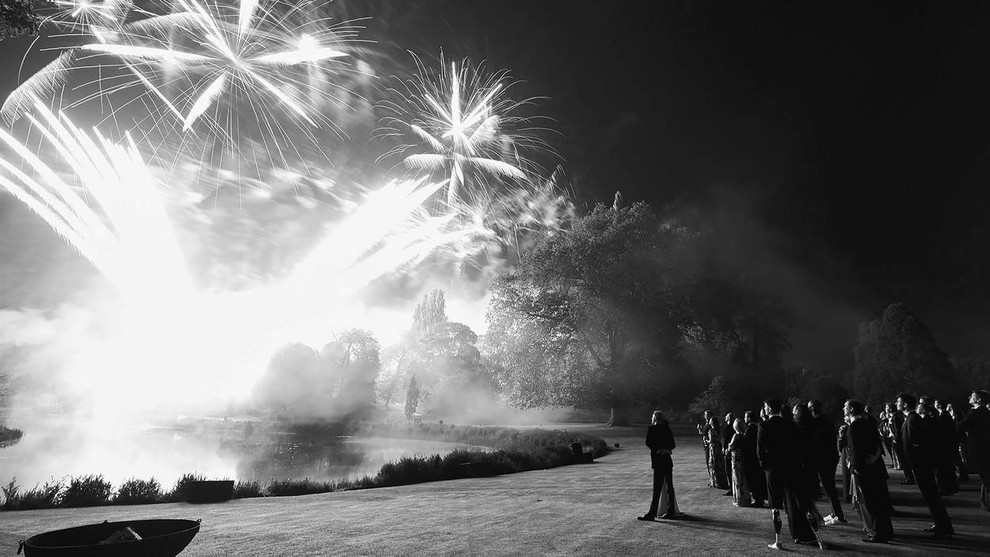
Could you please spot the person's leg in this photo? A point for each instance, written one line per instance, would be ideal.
(925, 478)
(668, 507)
(826, 474)
(775, 494)
(655, 501)
(985, 488)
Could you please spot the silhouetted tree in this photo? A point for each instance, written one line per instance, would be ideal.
(353, 359)
(975, 372)
(714, 398)
(898, 353)
(412, 397)
(20, 17)
(293, 382)
(609, 295)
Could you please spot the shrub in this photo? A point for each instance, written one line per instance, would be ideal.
(139, 492)
(305, 486)
(44, 497)
(245, 490)
(9, 435)
(180, 492)
(87, 491)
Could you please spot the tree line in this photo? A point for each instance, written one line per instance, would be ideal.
(623, 309)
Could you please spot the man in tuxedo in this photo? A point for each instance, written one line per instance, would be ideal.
(826, 456)
(776, 448)
(976, 427)
(864, 447)
(919, 449)
(755, 477)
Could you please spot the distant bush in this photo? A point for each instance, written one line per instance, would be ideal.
(9, 435)
(514, 451)
(279, 488)
(180, 492)
(43, 497)
(246, 490)
(139, 492)
(86, 491)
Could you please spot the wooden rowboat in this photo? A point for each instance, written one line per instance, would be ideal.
(131, 538)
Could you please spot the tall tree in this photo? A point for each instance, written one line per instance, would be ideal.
(610, 295)
(20, 17)
(353, 359)
(898, 352)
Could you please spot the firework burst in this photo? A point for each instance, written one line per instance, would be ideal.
(460, 123)
(250, 79)
(109, 209)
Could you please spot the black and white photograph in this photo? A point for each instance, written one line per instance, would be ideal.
(476, 277)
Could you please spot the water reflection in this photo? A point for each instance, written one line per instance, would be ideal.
(218, 448)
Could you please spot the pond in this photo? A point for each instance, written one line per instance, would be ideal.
(246, 450)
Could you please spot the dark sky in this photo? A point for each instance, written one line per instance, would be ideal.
(843, 144)
(850, 137)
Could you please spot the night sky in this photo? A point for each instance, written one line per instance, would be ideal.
(843, 145)
(846, 143)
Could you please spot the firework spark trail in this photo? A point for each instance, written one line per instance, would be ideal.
(125, 233)
(470, 128)
(263, 74)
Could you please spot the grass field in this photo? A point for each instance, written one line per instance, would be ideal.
(587, 509)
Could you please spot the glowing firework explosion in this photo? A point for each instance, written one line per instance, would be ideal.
(471, 131)
(121, 226)
(248, 78)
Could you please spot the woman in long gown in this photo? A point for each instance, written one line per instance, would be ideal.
(741, 496)
(716, 460)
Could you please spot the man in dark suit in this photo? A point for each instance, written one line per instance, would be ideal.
(660, 440)
(703, 429)
(755, 477)
(727, 433)
(776, 448)
(918, 449)
(864, 449)
(976, 427)
(826, 456)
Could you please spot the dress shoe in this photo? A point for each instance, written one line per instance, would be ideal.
(871, 539)
(727, 493)
(931, 528)
(646, 517)
(668, 516)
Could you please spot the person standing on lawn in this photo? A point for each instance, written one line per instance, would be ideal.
(660, 440)
(864, 449)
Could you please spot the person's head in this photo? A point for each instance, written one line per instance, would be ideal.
(868, 410)
(979, 398)
(927, 401)
(939, 404)
(921, 409)
(800, 413)
(905, 402)
(772, 406)
(816, 407)
(951, 409)
(749, 416)
(890, 407)
(852, 407)
(713, 421)
(729, 418)
(657, 417)
(739, 425)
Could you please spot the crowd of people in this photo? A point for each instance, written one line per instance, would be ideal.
(782, 458)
